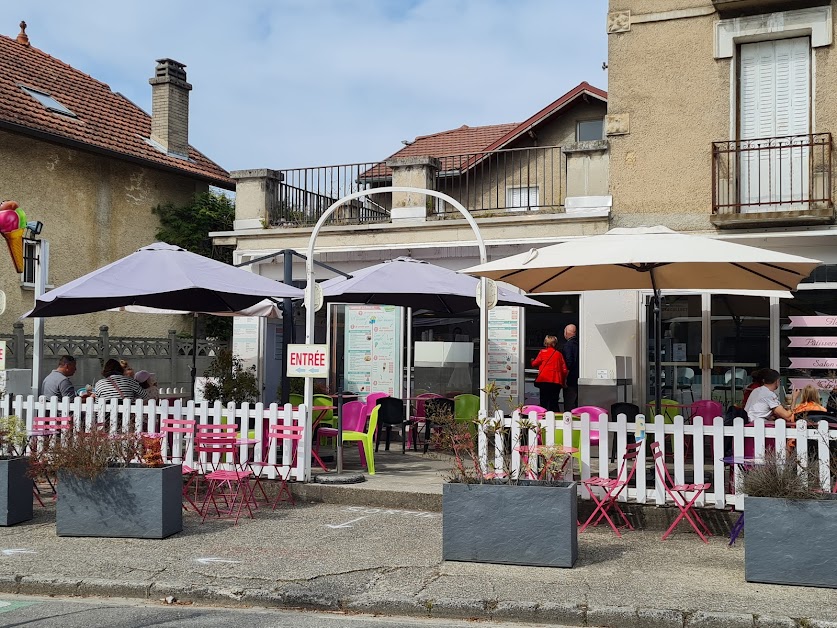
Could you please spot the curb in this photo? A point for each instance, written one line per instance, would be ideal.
(555, 613)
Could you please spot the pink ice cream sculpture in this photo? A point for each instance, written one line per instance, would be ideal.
(12, 226)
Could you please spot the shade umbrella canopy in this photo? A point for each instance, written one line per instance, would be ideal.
(265, 309)
(162, 276)
(417, 284)
(648, 258)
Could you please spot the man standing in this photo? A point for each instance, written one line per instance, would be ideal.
(57, 383)
(570, 352)
(763, 402)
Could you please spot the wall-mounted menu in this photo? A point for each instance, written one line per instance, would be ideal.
(816, 368)
(373, 349)
(504, 353)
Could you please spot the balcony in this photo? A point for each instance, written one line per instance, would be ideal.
(489, 184)
(771, 182)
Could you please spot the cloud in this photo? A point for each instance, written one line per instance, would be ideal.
(294, 83)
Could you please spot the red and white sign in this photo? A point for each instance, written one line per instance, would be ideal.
(2, 355)
(308, 361)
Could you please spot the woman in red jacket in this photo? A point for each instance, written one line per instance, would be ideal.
(552, 373)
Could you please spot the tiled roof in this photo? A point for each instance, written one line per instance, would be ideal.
(106, 121)
(468, 140)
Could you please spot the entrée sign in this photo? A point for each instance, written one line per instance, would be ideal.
(308, 360)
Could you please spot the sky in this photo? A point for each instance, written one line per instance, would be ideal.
(299, 83)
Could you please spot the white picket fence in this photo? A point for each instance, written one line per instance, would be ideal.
(145, 416)
(696, 467)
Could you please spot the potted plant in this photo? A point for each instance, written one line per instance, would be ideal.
(15, 483)
(495, 516)
(790, 524)
(113, 485)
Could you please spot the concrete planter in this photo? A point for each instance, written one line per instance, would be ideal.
(15, 491)
(791, 541)
(134, 501)
(525, 524)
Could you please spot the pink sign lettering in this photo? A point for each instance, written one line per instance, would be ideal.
(813, 363)
(822, 384)
(812, 321)
(812, 341)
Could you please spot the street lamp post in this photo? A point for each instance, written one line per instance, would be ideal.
(309, 297)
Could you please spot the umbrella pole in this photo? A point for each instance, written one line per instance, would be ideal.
(193, 371)
(658, 345)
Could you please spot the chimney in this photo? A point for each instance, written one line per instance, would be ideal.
(22, 37)
(170, 107)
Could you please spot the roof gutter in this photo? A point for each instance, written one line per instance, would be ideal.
(59, 139)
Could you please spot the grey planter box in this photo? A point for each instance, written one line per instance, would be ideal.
(510, 524)
(15, 491)
(791, 541)
(133, 501)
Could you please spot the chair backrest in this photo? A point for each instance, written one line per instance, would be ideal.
(391, 410)
(294, 399)
(525, 410)
(421, 400)
(280, 432)
(660, 466)
(354, 416)
(707, 409)
(372, 401)
(60, 423)
(178, 426)
(669, 409)
(327, 416)
(373, 420)
(740, 375)
(630, 457)
(215, 430)
(630, 410)
(687, 375)
(437, 406)
(466, 407)
(215, 444)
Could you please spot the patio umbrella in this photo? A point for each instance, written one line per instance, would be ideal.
(417, 284)
(648, 258)
(162, 276)
(265, 308)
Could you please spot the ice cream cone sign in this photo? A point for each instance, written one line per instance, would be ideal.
(12, 226)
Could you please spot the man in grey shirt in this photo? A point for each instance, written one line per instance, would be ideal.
(57, 383)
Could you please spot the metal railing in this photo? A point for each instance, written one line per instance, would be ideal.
(306, 193)
(772, 174)
(509, 180)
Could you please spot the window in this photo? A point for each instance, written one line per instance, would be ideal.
(522, 198)
(589, 130)
(27, 277)
(48, 101)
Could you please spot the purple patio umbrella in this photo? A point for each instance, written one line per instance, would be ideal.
(417, 284)
(166, 277)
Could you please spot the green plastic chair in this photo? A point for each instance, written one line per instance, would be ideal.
(367, 439)
(576, 442)
(295, 399)
(466, 407)
(328, 417)
(669, 409)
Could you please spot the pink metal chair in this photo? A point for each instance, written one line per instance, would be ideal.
(372, 401)
(420, 418)
(353, 420)
(613, 487)
(707, 409)
(594, 412)
(678, 493)
(43, 428)
(233, 487)
(182, 432)
(286, 436)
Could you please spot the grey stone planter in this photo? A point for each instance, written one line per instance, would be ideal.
(521, 524)
(133, 501)
(15, 491)
(791, 541)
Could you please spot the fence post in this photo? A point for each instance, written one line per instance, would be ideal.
(19, 348)
(173, 357)
(104, 344)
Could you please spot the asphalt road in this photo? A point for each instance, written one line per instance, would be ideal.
(19, 611)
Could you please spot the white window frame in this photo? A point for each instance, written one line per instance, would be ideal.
(531, 190)
(578, 123)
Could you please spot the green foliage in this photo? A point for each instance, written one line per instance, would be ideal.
(12, 434)
(189, 226)
(87, 454)
(230, 381)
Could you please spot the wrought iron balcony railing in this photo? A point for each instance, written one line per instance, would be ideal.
(772, 174)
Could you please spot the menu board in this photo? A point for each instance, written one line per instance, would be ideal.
(504, 367)
(245, 344)
(373, 349)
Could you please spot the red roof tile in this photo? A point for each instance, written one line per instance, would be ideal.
(106, 121)
(467, 140)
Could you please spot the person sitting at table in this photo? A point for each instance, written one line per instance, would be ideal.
(115, 385)
(809, 402)
(58, 383)
(149, 382)
(757, 377)
(763, 402)
(127, 369)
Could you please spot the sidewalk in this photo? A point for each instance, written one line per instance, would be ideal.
(388, 561)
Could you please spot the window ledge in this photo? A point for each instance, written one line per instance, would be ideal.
(592, 146)
(798, 217)
(25, 285)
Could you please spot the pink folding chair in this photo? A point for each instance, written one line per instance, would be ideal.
(43, 428)
(352, 420)
(613, 487)
(233, 487)
(286, 436)
(230, 430)
(420, 418)
(594, 412)
(185, 431)
(679, 494)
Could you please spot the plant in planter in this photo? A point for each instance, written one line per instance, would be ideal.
(113, 485)
(484, 510)
(15, 483)
(790, 524)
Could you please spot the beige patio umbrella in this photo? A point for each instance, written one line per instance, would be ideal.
(648, 258)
